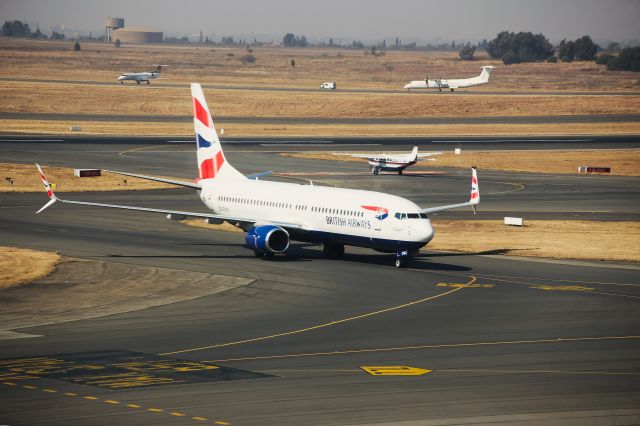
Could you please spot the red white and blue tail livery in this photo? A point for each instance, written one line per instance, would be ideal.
(275, 213)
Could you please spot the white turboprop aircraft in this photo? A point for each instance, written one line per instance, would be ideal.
(452, 84)
(393, 162)
(273, 213)
(142, 76)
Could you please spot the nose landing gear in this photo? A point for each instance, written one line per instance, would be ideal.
(402, 258)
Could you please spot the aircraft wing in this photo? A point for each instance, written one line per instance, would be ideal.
(428, 154)
(232, 219)
(369, 155)
(157, 179)
(474, 200)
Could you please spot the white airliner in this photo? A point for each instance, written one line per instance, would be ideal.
(274, 213)
(142, 76)
(393, 162)
(452, 84)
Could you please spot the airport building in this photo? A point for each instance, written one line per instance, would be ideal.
(115, 30)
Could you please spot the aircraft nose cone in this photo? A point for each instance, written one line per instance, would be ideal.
(427, 232)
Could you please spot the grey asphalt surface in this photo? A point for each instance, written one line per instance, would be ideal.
(160, 83)
(550, 119)
(532, 343)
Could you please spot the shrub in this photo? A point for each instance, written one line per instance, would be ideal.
(552, 59)
(248, 59)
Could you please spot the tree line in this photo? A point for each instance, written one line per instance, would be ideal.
(21, 29)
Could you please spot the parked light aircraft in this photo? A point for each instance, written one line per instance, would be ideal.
(452, 84)
(142, 76)
(393, 162)
(274, 213)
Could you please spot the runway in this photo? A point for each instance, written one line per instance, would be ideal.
(470, 92)
(314, 341)
(550, 119)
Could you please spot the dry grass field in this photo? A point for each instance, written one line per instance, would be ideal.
(26, 179)
(351, 69)
(312, 130)
(622, 162)
(586, 240)
(610, 241)
(20, 266)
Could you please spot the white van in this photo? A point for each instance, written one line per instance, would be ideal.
(330, 85)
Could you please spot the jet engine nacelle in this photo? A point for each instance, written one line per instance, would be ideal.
(267, 239)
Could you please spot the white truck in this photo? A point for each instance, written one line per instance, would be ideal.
(328, 85)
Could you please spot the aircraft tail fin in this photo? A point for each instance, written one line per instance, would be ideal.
(486, 72)
(159, 68)
(212, 163)
(47, 187)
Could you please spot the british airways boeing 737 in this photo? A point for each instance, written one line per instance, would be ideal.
(275, 213)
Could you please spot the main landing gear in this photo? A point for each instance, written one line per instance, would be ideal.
(402, 258)
(333, 250)
(375, 170)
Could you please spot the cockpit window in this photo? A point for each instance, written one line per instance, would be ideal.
(402, 216)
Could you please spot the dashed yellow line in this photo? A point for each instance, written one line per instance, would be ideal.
(324, 325)
(115, 402)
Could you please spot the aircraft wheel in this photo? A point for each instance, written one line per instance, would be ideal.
(122, 82)
(258, 254)
(401, 261)
(452, 90)
(400, 172)
(138, 82)
(148, 82)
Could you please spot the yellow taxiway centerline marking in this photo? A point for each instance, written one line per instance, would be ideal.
(315, 327)
(111, 401)
(29, 387)
(70, 394)
(479, 370)
(133, 406)
(91, 398)
(202, 419)
(49, 390)
(177, 414)
(155, 410)
(464, 285)
(421, 347)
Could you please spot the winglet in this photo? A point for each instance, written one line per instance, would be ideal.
(47, 187)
